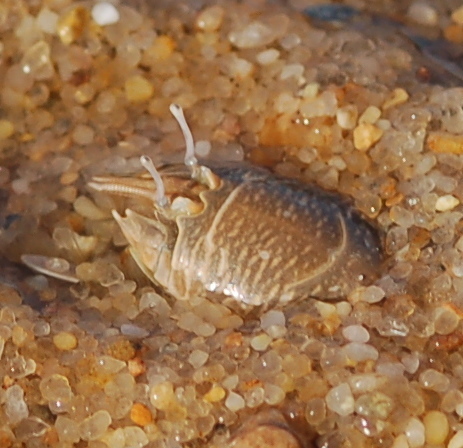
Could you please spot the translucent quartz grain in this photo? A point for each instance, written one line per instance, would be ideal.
(436, 427)
(363, 382)
(369, 294)
(411, 362)
(326, 310)
(356, 333)
(286, 103)
(241, 69)
(108, 274)
(231, 381)
(254, 397)
(124, 287)
(415, 433)
(272, 317)
(71, 24)
(261, 342)
(211, 373)
(210, 19)
(105, 13)
(366, 135)
(79, 245)
(401, 216)
(400, 441)
(107, 365)
(138, 89)
(114, 439)
(65, 341)
(457, 440)
(68, 429)
(198, 358)
(338, 163)
(105, 102)
(14, 405)
(451, 400)
(257, 34)
(446, 202)
(315, 411)
(340, 400)
(346, 116)
(324, 104)
(95, 426)
(370, 115)
(333, 358)
(273, 394)
(87, 208)
(267, 365)
(234, 402)
(434, 380)
(83, 134)
(423, 13)
(122, 385)
(446, 320)
(289, 41)
(47, 20)
(140, 414)
(162, 395)
(20, 367)
(135, 437)
(55, 388)
(205, 425)
(31, 427)
(20, 186)
(180, 431)
(7, 317)
(359, 352)
(215, 394)
(269, 56)
(296, 365)
(374, 405)
(445, 183)
(215, 314)
(203, 148)
(134, 331)
(189, 321)
(20, 336)
(36, 61)
(276, 331)
(153, 301)
(390, 369)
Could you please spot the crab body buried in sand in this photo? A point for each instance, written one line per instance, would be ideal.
(234, 232)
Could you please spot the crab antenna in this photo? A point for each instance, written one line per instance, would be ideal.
(160, 196)
(177, 112)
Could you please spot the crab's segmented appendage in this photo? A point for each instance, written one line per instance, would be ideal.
(160, 197)
(199, 172)
(177, 112)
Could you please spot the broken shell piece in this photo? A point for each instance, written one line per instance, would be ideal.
(52, 266)
(267, 429)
